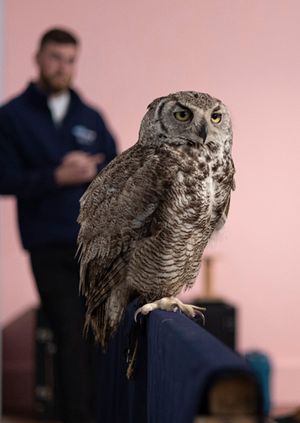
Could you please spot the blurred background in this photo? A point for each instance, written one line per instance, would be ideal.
(243, 52)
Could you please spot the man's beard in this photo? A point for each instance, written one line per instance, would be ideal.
(54, 85)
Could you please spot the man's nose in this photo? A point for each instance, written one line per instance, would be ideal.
(64, 66)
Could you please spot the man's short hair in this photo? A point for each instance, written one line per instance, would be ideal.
(58, 35)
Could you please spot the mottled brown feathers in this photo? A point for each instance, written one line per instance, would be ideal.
(147, 217)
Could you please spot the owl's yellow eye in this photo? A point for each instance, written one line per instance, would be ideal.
(216, 117)
(183, 115)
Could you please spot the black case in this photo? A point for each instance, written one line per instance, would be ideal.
(220, 321)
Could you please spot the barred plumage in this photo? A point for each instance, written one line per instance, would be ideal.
(147, 217)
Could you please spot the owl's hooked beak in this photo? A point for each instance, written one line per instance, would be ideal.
(203, 132)
(193, 139)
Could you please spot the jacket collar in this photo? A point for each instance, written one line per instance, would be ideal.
(39, 98)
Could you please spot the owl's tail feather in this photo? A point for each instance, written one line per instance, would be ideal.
(107, 296)
(106, 317)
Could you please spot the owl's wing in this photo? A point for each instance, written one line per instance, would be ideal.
(116, 211)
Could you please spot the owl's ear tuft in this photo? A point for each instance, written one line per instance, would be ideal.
(155, 102)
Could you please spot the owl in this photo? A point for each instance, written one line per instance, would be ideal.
(146, 219)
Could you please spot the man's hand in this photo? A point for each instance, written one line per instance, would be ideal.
(77, 168)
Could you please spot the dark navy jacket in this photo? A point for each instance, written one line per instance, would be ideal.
(31, 147)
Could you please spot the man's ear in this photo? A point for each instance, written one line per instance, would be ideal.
(37, 57)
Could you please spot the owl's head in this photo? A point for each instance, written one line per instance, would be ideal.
(188, 119)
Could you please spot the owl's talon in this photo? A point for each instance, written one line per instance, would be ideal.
(145, 309)
(136, 314)
(171, 304)
(199, 315)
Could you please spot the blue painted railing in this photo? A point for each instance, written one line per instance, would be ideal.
(177, 361)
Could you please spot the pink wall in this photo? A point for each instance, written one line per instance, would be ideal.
(246, 53)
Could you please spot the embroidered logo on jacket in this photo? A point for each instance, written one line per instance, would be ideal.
(83, 135)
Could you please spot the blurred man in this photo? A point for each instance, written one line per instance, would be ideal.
(51, 147)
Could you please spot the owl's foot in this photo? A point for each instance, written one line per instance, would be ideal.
(171, 304)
